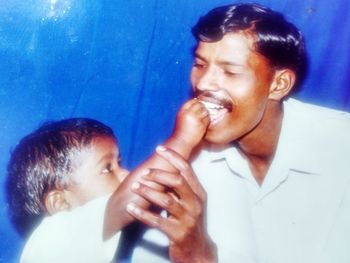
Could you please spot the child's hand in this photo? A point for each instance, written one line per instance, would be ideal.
(191, 122)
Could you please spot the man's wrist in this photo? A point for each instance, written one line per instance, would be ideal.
(210, 254)
(205, 253)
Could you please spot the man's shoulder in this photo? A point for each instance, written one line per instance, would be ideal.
(321, 134)
(310, 110)
(320, 120)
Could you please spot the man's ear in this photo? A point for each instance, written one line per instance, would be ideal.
(282, 84)
(55, 201)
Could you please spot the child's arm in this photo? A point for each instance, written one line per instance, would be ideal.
(191, 124)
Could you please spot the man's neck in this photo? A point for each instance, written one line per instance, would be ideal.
(259, 146)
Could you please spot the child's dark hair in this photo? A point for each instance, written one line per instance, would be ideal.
(42, 161)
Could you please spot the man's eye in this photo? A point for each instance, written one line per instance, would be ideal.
(230, 73)
(198, 65)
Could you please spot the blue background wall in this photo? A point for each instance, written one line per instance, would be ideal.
(127, 64)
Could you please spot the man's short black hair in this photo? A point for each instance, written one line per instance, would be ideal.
(275, 38)
(43, 161)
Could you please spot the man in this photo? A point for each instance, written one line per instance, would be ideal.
(275, 169)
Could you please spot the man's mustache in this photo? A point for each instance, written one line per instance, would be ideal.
(213, 97)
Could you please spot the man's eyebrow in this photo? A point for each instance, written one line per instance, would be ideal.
(221, 63)
(196, 55)
(229, 63)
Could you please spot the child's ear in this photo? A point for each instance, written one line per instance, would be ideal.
(55, 201)
(282, 84)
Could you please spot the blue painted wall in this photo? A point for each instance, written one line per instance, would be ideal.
(127, 64)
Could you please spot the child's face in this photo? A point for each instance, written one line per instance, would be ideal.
(98, 172)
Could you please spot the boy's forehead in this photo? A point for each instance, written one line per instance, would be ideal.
(105, 144)
(98, 148)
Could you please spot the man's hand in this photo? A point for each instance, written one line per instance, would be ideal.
(185, 202)
(116, 217)
(191, 124)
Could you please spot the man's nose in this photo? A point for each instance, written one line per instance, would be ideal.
(208, 81)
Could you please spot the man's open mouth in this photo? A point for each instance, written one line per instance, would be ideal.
(217, 108)
(213, 108)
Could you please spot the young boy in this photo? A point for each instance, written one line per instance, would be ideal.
(61, 167)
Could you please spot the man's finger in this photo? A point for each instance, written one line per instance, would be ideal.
(166, 225)
(183, 167)
(164, 200)
(175, 182)
(173, 158)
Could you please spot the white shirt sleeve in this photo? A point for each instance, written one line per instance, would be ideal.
(72, 236)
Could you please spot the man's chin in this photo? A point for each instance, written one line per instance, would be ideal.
(213, 137)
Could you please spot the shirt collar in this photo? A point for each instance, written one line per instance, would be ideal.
(294, 151)
(296, 144)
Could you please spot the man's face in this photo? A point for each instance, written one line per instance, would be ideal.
(97, 172)
(234, 82)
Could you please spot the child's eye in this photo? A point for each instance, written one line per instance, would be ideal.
(108, 169)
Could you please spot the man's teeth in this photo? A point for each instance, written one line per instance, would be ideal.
(211, 106)
(216, 111)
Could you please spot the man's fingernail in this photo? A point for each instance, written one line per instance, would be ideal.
(160, 148)
(135, 186)
(131, 207)
(145, 171)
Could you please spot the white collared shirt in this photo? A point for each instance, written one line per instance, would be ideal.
(72, 236)
(301, 212)
(76, 237)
